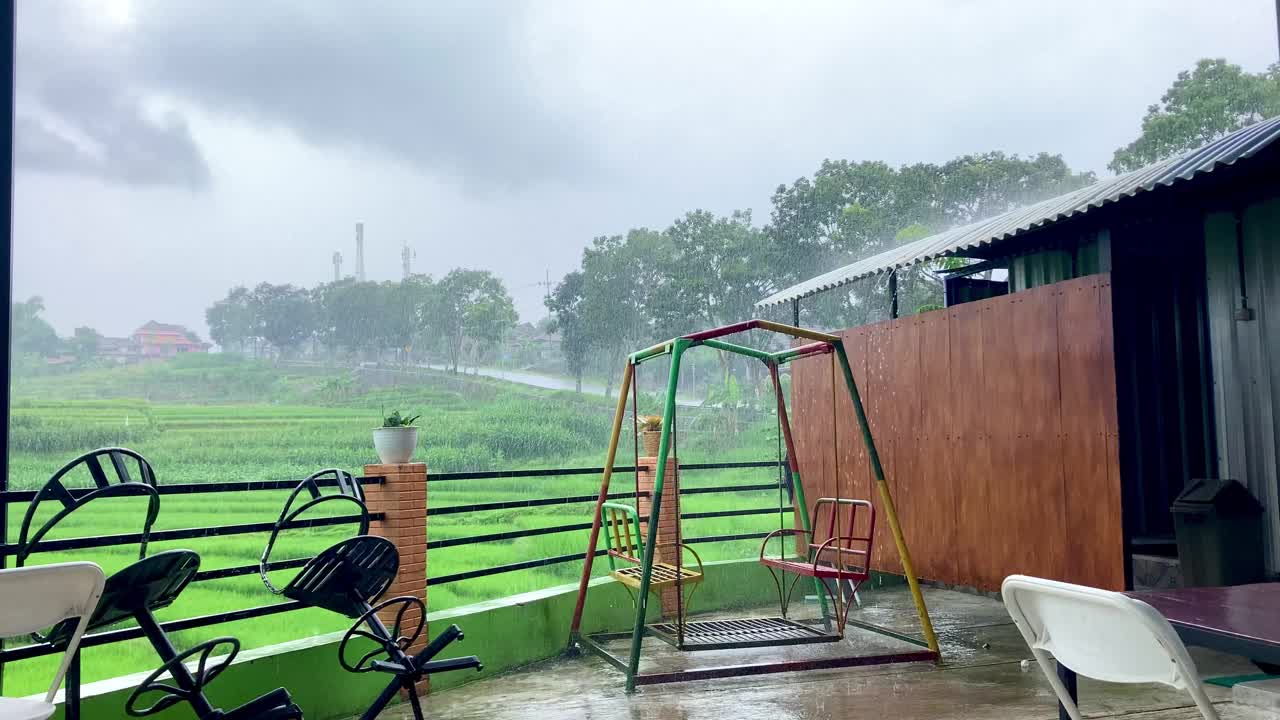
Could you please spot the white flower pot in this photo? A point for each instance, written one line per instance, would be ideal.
(395, 444)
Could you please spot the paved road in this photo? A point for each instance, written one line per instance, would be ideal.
(550, 382)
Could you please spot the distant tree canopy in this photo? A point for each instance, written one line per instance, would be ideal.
(1203, 104)
(31, 333)
(463, 315)
(706, 269)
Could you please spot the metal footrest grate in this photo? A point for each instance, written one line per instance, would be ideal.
(739, 633)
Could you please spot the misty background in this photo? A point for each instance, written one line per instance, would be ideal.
(168, 151)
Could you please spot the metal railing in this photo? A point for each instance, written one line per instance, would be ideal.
(10, 497)
(8, 550)
(579, 499)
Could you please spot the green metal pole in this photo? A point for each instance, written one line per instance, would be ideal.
(738, 349)
(655, 506)
(887, 499)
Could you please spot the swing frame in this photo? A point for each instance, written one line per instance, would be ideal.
(819, 343)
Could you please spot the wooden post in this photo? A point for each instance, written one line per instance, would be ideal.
(402, 500)
(668, 521)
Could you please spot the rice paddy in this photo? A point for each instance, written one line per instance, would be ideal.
(282, 425)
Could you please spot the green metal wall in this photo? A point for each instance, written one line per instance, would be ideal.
(1091, 255)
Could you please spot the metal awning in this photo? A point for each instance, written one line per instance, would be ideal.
(1241, 144)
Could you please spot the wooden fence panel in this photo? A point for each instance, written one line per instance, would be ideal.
(996, 425)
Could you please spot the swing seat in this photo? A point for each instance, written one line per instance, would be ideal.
(623, 540)
(664, 574)
(840, 557)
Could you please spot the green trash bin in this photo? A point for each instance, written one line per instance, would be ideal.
(1218, 524)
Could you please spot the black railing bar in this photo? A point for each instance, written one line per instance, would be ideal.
(553, 472)
(730, 465)
(531, 564)
(728, 489)
(549, 472)
(724, 538)
(540, 502)
(526, 565)
(130, 633)
(220, 573)
(183, 534)
(10, 496)
(512, 535)
(732, 513)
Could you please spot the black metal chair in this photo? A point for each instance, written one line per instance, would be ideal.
(349, 578)
(138, 591)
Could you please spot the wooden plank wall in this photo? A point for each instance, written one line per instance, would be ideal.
(996, 426)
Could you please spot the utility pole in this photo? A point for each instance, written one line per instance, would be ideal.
(337, 266)
(546, 285)
(406, 256)
(359, 252)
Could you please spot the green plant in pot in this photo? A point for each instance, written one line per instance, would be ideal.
(650, 434)
(396, 439)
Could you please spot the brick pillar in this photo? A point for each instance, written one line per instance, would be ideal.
(402, 499)
(668, 520)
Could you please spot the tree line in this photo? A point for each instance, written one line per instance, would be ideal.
(463, 316)
(703, 270)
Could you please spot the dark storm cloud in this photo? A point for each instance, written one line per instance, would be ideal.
(440, 85)
(440, 88)
(77, 114)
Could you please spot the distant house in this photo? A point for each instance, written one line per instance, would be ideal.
(120, 350)
(161, 340)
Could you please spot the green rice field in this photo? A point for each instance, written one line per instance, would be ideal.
(214, 419)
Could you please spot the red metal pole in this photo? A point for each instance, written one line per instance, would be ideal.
(618, 415)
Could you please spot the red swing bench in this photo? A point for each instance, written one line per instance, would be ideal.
(844, 556)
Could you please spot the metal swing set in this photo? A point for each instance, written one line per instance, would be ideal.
(836, 554)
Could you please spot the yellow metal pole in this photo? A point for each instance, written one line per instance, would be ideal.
(796, 332)
(618, 415)
(887, 499)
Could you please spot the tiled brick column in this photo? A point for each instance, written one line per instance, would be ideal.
(668, 520)
(402, 499)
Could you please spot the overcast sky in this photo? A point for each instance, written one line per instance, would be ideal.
(169, 150)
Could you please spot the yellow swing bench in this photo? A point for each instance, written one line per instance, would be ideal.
(620, 521)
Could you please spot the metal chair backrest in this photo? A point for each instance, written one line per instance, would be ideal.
(348, 490)
(620, 522)
(844, 543)
(35, 598)
(114, 479)
(1100, 634)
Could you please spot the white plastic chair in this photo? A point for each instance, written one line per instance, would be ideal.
(1099, 634)
(34, 598)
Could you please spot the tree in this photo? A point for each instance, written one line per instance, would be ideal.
(84, 343)
(351, 315)
(30, 332)
(282, 315)
(1203, 104)
(230, 320)
(625, 293)
(851, 210)
(405, 304)
(471, 311)
(568, 319)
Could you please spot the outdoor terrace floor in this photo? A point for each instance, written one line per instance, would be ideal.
(980, 677)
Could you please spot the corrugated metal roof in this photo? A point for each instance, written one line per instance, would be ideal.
(1238, 145)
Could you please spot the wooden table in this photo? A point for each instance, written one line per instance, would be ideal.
(1240, 620)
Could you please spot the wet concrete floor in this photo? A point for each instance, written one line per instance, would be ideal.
(980, 677)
